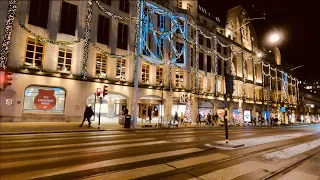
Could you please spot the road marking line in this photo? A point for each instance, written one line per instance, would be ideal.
(293, 151)
(197, 160)
(73, 145)
(232, 172)
(135, 173)
(298, 175)
(62, 138)
(259, 140)
(100, 164)
(87, 149)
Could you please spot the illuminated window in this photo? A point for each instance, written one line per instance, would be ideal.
(179, 78)
(64, 59)
(145, 73)
(179, 4)
(189, 7)
(159, 76)
(34, 53)
(101, 65)
(49, 100)
(121, 69)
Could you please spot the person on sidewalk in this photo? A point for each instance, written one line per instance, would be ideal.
(209, 119)
(181, 118)
(87, 116)
(149, 114)
(175, 118)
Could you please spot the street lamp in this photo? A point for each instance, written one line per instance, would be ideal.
(274, 38)
(259, 55)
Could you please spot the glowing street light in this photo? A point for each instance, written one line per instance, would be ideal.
(259, 55)
(274, 38)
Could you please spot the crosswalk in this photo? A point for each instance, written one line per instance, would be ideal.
(121, 155)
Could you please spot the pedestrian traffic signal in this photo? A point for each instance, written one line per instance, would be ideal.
(229, 84)
(105, 90)
(98, 91)
(5, 79)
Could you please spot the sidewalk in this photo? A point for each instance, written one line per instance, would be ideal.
(60, 127)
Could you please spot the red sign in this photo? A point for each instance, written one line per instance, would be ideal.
(45, 100)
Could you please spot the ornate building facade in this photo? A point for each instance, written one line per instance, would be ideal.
(61, 51)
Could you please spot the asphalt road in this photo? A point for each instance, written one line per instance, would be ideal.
(167, 154)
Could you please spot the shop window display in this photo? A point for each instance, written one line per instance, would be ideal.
(39, 99)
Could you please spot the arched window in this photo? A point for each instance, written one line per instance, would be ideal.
(39, 99)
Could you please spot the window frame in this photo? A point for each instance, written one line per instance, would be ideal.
(180, 79)
(41, 9)
(101, 69)
(123, 45)
(34, 53)
(159, 77)
(103, 34)
(67, 21)
(65, 59)
(145, 73)
(122, 72)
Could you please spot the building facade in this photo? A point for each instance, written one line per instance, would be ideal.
(61, 51)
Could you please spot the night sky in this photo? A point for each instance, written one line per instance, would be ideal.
(293, 19)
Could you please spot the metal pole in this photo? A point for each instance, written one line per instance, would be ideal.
(136, 82)
(94, 107)
(99, 113)
(225, 119)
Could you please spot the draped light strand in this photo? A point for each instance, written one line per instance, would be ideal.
(114, 15)
(5, 46)
(136, 39)
(109, 54)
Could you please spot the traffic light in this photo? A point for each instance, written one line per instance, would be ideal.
(98, 91)
(105, 90)
(5, 79)
(229, 84)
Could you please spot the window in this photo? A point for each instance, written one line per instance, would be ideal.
(101, 65)
(208, 43)
(201, 65)
(145, 73)
(108, 2)
(39, 8)
(219, 67)
(103, 30)
(179, 78)
(34, 53)
(161, 22)
(68, 18)
(180, 26)
(159, 76)
(219, 48)
(209, 68)
(160, 49)
(49, 100)
(201, 83)
(122, 36)
(225, 50)
(201, 39)
(124, 6)
(179, 48)
(189, 7)
(191, 57)
(146, 44)
(179, 4)
(121, 70)
(64, 59)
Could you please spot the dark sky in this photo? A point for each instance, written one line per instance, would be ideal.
(293, 18)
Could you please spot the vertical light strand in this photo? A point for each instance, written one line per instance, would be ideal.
(87, 35)
(244, 73)
(216, 64)
(5, 46)
(276, 86)
(297, 90)
(171, 59)
(137, 38)
(254, 79)
(262, 82)
(197, 60)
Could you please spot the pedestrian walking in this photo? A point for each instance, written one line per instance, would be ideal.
(181, 118)
(198, 122)
(209, 119)
(175, 118)
(88, 113)
(149, 114)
